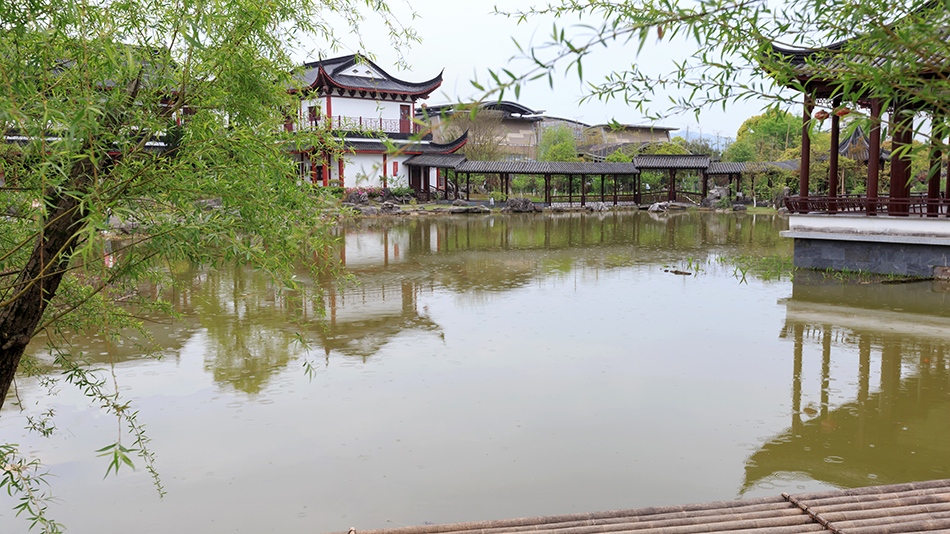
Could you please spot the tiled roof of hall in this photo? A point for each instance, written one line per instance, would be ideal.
(412, 147)
(357, 73)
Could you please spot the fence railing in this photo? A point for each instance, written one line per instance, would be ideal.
(859, 204)
(376, 124)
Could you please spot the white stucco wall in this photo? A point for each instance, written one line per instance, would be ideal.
(862, 225)
(361, 107)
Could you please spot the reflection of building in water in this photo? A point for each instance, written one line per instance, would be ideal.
(896, 430)
(362, 319)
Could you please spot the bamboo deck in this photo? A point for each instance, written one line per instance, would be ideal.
(898, 508)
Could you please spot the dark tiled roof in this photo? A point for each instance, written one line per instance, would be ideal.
(675, 162)
(545, 167)
(404, 147)
(739, 167)
(443, 161)
(856, 146)
(509, 109)
(824, 64)
(334, 73)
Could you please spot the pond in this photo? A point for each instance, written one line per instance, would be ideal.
(501, 366)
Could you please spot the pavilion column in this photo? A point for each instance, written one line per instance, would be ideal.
(603, 187)
(468, 186)
(671, 194)
(705, 179)
(902, 126)
(833, 156)
(936, 164)
(313, 169)
(874, 156)
(583, 190)
(570, 190)
(803, 171)
(616, 187)
(547, 189)
(637, 197)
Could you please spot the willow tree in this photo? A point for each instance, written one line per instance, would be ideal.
(894, 51)
(160, 116)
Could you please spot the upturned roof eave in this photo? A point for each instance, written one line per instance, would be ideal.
(329, 78)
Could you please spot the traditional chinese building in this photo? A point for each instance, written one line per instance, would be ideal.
(371, 113)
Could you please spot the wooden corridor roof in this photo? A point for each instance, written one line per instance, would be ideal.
(545, 167)
(897, 508)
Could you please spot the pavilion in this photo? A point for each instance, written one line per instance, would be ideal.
(902, 233)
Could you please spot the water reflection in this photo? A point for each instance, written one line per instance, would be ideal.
(895, 425)
(505, 366)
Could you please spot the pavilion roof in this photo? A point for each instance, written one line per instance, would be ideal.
(545, 167)
(393, 146)
(442, 161)
(822, 68)
(674, 162)
(739, 167)
(509, 109)
(356, 73)
(856, 147)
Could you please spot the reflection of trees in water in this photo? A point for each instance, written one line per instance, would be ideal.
(251, 326)
(476, 256)
(895, 431)
(246, 341)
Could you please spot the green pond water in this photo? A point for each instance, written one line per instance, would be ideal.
(488, 367)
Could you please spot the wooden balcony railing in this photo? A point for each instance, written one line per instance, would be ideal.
(377, 124)
(917, 206)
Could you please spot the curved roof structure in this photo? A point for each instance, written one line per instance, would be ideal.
(508, 108)
(739, 167)
(357, 74)
(375, 146)
(545, 167)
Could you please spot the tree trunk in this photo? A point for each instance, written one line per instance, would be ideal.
(39, 279)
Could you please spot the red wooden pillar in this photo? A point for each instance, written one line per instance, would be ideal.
(803, 172)
(902, 126)
(671, 194)
(340, 170)
(833, 156)
(547, 189)
(936, 164)
(385, 172)
(326, 169)
(705, 179)
(313, 169)
(874, 156)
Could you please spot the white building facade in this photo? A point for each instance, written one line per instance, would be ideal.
(372, 114)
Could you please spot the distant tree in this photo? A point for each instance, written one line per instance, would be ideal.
(766, 137)
(699, 146)
(663, 149)
(558, 144)
(485, 132)
(618, 157)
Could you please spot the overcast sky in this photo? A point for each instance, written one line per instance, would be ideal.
(466, 40)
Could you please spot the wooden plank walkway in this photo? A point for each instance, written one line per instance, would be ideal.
(897, 508)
